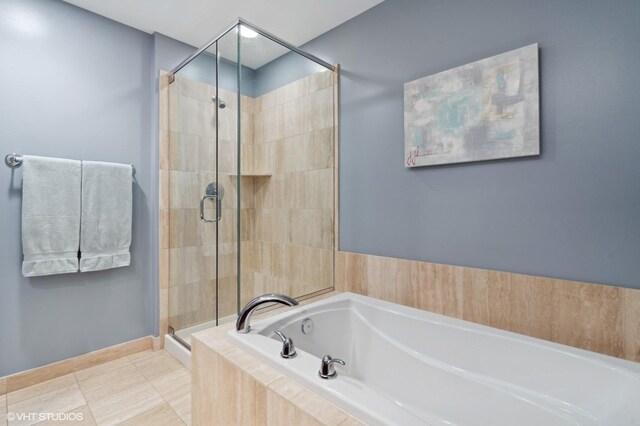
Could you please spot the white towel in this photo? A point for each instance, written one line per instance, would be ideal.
(105, 230)
(50, 215)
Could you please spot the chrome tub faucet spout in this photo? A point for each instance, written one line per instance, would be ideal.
(244, 318)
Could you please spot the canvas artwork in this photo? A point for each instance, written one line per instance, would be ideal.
(485, 110)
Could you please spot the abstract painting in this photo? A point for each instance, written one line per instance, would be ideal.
(484, 110)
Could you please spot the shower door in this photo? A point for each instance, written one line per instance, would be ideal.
(203, 163)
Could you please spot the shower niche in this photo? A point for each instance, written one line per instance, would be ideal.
(248, 177)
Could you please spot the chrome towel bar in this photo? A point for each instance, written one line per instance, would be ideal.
(14, 161)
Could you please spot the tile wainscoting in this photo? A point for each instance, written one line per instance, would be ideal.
(594, 317)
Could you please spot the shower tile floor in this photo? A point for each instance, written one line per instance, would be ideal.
(147, 388)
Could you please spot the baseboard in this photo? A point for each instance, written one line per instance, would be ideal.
(37, 375)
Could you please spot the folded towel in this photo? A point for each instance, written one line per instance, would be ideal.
(50, 215)
(105, 234)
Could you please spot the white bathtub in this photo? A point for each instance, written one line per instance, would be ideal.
(411, 367)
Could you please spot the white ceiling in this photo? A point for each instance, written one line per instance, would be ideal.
(196, 21)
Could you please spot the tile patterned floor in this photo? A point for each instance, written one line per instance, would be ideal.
(147, 388)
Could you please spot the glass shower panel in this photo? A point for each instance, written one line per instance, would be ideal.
(289, 149)
(203, 194)
(229, 142)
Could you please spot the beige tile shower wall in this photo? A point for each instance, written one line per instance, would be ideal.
(291, 249)
(595, 317)
(189, 160)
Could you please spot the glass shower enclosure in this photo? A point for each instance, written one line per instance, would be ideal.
(251, 177)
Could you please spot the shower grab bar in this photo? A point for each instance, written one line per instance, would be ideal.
(14, 161)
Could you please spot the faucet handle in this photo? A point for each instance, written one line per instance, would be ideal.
(288, 349)
(327, 370)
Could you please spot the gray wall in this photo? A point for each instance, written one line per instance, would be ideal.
(75, 86)
(78, 85)
(282, 71)
(572, 213)
(169, 53)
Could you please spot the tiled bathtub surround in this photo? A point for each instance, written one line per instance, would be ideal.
(231, 386)
(287, 189)
(595, 317)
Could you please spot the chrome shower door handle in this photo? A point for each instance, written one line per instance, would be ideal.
(218, 209)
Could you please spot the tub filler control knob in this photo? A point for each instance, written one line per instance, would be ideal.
(288, 350)
(327, 370)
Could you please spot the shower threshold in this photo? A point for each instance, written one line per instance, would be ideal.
(173, 345)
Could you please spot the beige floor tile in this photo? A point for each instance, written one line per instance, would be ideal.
(173, 385)
(182, 406)
(80, 416)
(125, 405)
(110, 393)
(162, 415)
(41, 388)
(145, 355)
(101, 369)
(111, 382)
(157, 366)
(57, 401)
